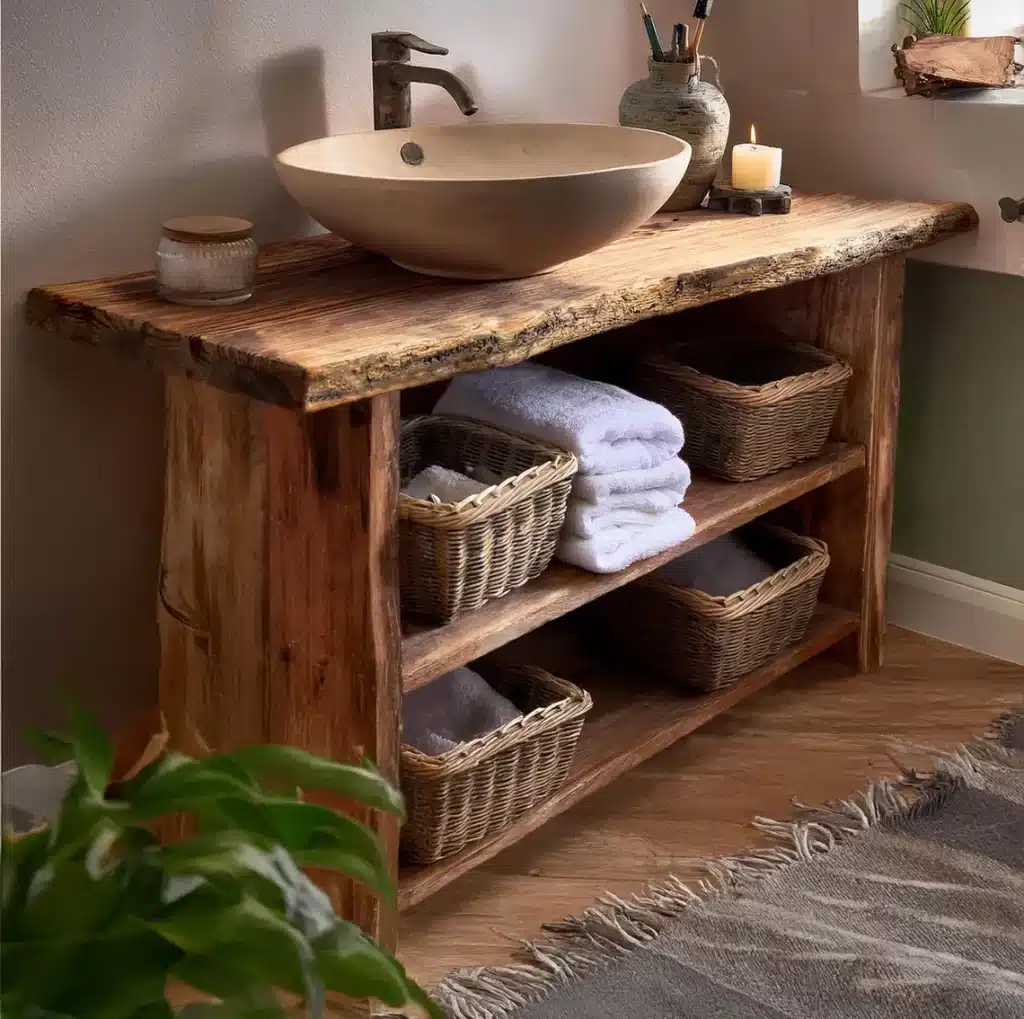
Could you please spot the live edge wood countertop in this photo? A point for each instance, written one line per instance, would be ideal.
(330, 323)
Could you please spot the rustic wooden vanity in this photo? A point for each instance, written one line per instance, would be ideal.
(277, 595)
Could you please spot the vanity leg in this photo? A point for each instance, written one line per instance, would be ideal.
(860, 318)
(278, 605)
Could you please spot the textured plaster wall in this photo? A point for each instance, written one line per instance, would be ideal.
(116, 115)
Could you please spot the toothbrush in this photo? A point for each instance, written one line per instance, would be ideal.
(701, 12)
(652, 33)
(680, 41)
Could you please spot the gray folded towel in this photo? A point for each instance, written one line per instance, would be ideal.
(720, 568)
(453, 709)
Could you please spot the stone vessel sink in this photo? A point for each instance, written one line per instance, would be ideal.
(488, 201)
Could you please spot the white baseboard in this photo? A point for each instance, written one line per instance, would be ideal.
(957, 608)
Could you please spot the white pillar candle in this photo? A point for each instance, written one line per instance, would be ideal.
(756, 167)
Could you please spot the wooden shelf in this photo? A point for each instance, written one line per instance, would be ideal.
(717, 506)
(633, 718)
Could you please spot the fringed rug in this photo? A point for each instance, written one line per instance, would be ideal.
(905, 901)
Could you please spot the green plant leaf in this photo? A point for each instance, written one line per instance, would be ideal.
(231, 1010)
(200, 924)
(65, 901)
(223, 972)
(20, 858)
(154, 1010)
(299, 768)
(224, 854)
(349, 962)
(935, 17)
(231, 858)
(185, 787)
(94, 752)
(308, 829)
(34, 972)
(119, 974)
(325, 849)
(95, 976)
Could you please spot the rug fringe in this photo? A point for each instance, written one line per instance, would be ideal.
(615, 927)
(1001, 729)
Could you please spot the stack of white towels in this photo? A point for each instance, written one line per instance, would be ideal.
(625, 499)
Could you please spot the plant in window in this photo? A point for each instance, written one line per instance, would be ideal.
(936, 17)
(99, 917)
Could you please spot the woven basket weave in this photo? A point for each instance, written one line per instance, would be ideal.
(709, 642)
(750, 406)
(483, 786)
(456, 556)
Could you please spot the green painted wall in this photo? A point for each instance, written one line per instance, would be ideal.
(960, 458)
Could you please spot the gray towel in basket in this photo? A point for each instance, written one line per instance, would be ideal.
(719, 568)
(453, 709)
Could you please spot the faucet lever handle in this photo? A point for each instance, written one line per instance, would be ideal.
(396, 46)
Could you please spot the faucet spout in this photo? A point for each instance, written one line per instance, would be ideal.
(405, 74)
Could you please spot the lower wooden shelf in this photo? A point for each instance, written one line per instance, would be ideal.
(632, 720)
(717, 507)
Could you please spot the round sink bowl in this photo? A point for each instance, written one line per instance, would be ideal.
(488, 201)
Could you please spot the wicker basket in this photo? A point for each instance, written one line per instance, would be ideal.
(750, 406)
(482, 786)
(709, 642)
(456, 556)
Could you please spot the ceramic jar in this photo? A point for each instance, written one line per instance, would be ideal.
(674, 99)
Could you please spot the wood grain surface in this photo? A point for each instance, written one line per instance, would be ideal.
(634, 717)
(816, 734)
(269, 515)
(329, 324)
(717, 507)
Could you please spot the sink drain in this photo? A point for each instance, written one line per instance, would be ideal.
(411, 153)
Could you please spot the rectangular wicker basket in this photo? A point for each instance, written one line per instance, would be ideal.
(750, 406)
(454, 557)
(708, 642)
(483, 786)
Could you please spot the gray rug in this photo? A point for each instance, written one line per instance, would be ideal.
(906, 901)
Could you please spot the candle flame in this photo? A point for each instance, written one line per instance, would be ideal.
(753, 135)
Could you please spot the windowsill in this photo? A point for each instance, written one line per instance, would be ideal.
(977, 96)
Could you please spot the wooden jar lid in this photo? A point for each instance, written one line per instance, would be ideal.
(207, 229)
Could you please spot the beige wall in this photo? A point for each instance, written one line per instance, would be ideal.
(116, 115)
(960, 459)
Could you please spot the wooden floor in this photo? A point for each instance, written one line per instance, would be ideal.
(817, 735)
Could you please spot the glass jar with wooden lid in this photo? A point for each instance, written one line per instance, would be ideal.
(206, 260)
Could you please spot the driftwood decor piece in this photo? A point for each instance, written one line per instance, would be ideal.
(934, 62)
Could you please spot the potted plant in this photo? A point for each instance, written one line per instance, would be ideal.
(936, 17)
(100, 919)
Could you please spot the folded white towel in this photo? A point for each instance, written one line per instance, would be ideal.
(455, 708)
(655, 501)
(614, 550)
(606, 427)
(447, 485)
(672, 476)
(585, 520)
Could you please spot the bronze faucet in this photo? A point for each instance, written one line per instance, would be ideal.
(393, 74)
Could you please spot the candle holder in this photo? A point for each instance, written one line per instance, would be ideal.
(725, 198)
